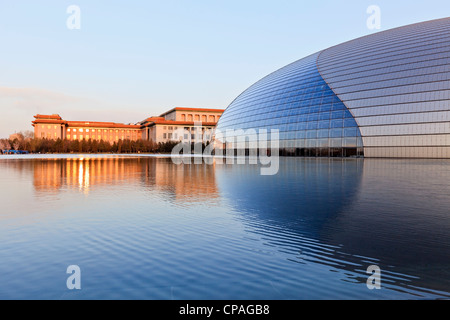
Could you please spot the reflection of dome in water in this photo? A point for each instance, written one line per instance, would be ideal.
(302, 197)
(351, 214)
(383, 95)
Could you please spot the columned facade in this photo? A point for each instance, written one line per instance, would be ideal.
(165, 128)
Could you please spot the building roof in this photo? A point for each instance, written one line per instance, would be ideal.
(101, 124)
(53, 116)
(47, 121)
(56, 119)
(177, 123)
(192, 109)
(162, 121)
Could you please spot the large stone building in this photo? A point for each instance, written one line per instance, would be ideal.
(178, 124)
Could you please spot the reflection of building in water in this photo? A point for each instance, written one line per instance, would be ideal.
(48, 175)
(187, 182)
(84, 173)
(81, 173)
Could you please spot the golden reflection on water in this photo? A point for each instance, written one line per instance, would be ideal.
(185, 182)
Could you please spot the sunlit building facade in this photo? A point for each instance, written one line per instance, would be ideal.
(181, 124)
(383, 95)
(178, 124)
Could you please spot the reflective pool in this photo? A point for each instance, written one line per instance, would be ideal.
(145, 228)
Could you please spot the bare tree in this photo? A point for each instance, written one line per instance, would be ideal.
(27, 135)
(4, 144)
(16, 144)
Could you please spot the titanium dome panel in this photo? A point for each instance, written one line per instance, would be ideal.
(397, 85)
(295, 100)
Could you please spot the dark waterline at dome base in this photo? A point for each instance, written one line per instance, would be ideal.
(324, 152)
(304, 152)
(383, 95)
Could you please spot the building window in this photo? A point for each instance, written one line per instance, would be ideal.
(204, 119)
(197, 117)
(183, 117)
(87, 130)
(190, 117)
(164, 136)
(81, 137)
(170, 135)
(68, 136)
(87, 137)
(74, 137)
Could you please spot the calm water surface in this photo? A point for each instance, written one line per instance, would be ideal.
(144, 228)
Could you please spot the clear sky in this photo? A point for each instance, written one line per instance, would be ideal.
(133, 59)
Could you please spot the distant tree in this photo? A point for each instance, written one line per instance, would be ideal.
(19, 136)
(37, 145)
(66, 146)
(4, 144)
(27, 135)
(166, 147)
(33, 145)
(58, 146)
(16, 144)
(93, 146)
(104, 146)
(74, 146)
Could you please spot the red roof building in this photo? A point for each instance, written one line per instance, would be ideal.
(177, 124)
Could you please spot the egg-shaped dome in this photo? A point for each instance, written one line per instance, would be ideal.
(382, 95)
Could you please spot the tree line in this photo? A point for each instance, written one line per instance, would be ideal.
(37, 145)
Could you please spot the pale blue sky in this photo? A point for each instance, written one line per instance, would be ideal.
(134, 59)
